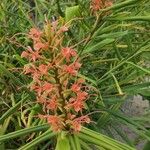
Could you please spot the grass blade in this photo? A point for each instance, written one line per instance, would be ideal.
(23, 132)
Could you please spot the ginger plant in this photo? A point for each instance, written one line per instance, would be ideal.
(54, 68)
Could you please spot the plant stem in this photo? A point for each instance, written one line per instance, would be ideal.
(60, 91)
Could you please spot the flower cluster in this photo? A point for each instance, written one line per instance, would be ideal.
(54, 68)
(96, 5)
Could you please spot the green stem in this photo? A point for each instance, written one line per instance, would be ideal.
(98, 20)
(60, 90)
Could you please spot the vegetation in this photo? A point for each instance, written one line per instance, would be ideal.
(108, 40)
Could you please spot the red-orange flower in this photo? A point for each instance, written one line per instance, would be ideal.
(52, 104)
(77, 122)
(67, 52)
(39, 89)
(76, 87)
(41, 100)
(43, 69)
(39, 45)
(35, 34)
(31, 69)
(30, 54)
(77, 65)
(76, 125)
(70, 69)
(78, 105)
(28, 69)
(63, 29)
(96, 5)
(56, 122)
(47, 86)
(82, 95)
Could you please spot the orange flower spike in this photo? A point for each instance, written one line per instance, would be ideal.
(62, 61)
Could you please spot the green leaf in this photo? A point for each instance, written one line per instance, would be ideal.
(139, 67)
(77, 142)
(22, 132)
(136, 18)
(147, 146)
(112, 35)
(117, 85)
(32, 114)
(72, 143)
(121, 5)
(71, 13)
(87, 78)
(137, 88)
(10, 75)
(14, 79)
(43, 137)
(102, 140)
(12, 110)
(145, 93)
(85, 145)
(62, 142)
(19, 59)
(99, 142)
(133, 125)
(3, 129)
(97, 46)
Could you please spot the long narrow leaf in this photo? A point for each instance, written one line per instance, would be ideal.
(23, 132)
(43, 137)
